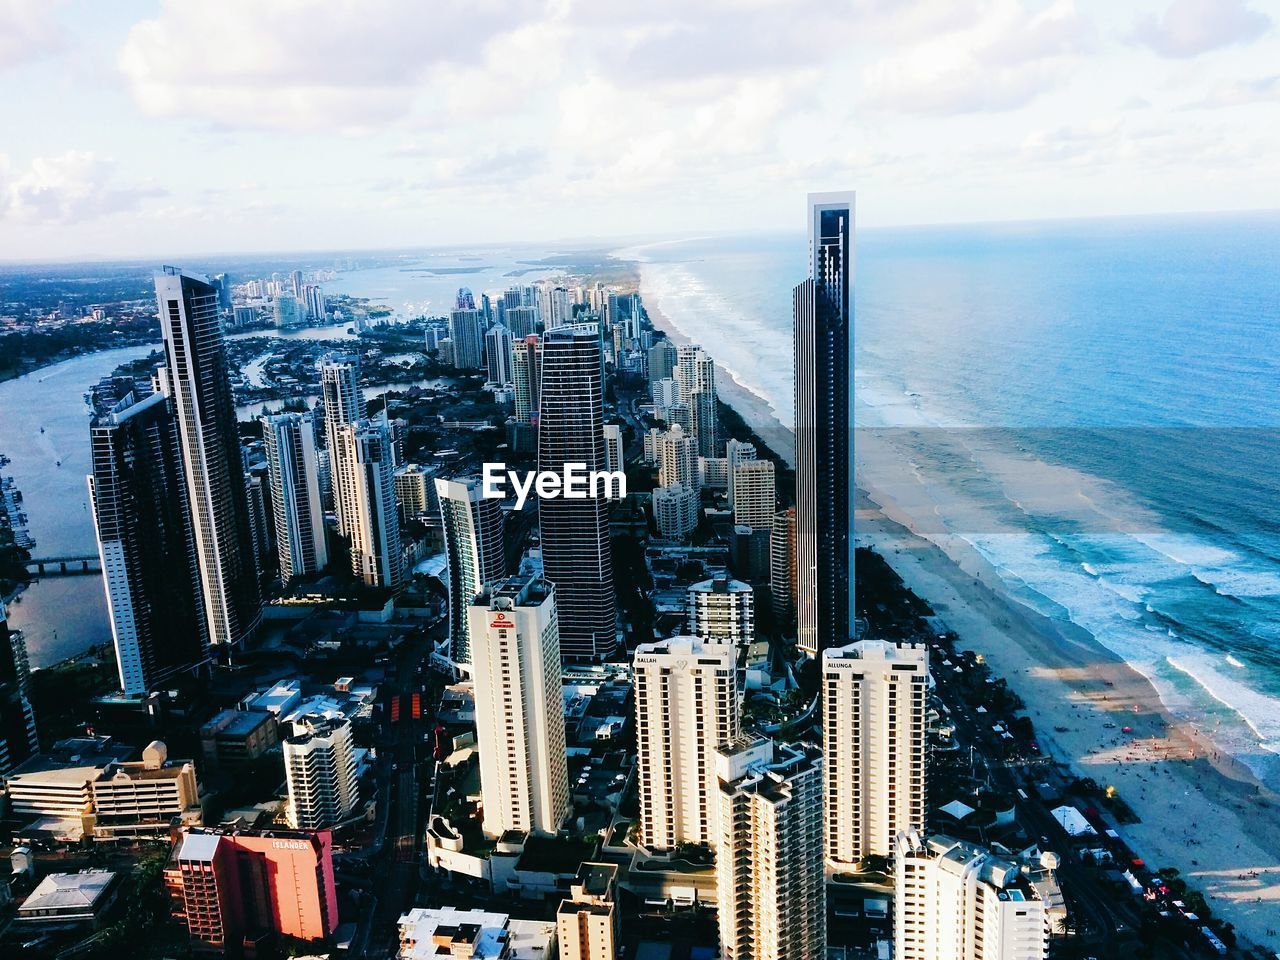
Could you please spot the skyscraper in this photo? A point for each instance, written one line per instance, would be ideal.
(722, 611)
(959, 901)
(686, 708)
(369, 503)
(824, 364)
(320, 772)
(737, 452)
(18, 736)
(575, 533)
(474, 552)
(145, 540)
(677, 455)
(754, 494)
(289, 440)
(466, 333)
(587, 921)
(212, 464)
(515, 655)
(522, 321)
(343, 404)
(614, 451)
(782, 567)
(874, 697)
(695, 375)
(769, 875)
(525, 375)
(675, 510)
(662, 360)
(497, 355)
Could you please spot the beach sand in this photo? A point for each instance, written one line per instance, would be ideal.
(1200, 810)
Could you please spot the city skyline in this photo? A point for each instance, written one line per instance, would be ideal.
(1156, 108)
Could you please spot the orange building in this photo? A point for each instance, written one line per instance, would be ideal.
(231, 888)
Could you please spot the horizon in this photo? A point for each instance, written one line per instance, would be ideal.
(621, 242)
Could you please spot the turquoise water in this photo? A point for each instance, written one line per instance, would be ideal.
(1093, 405)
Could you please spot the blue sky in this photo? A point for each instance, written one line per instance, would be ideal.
(168, 128)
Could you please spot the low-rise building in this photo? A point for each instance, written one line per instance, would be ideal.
(63, 900)
(587, 922)
(236, 737)
(473, 935)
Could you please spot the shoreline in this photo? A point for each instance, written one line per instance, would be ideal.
(1172, 776)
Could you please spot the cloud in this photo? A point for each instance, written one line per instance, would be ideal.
(28, 30)
(70, 188)
(305, 64)
(1001, 61)
(1240, 93)
(1192, 27)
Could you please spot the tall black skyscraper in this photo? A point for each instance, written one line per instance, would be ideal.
(145, 538)
(823, 312)
(575, 533)
(17, 720)
(196, 356)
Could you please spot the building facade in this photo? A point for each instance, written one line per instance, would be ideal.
(824, 364)
(686, 693)
(722, 611)
(770, 890)
(197, 376)
(755, 496)
(368, 492)
(576, 552)
(320, 772)
(587, 921)
(146, 544)
(289, 441)
(515, 658)
(475, 554)
(874, 698)
(343, 404)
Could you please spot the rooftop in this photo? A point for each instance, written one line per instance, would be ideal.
(69, 891)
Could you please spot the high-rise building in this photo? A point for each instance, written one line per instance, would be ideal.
(874, 698)
(664, 393)
(525, 376)
(677, 454)
(769, 873)
(256, 495)
(226, 884)
(686, 707)
(289, 440)
(737, 452)
(958, 901)
(466, 333)
(675, 510)
(587, 921)
(289, 311)
(197, 375)
(515, 658)
(474, 552)
(295, 283)
(614, 457)
(416, 491)
(522, 321)
(782, 567)
(369, 503)
(18, 735)
(755, 496)
(222, 283)
(146, 544)
(320, 772)
(575, 532)
(721, 610)
(695, 375)
(498, 355)
(465, 299)
(317, 306)
(713, 473)
(824, 364)
(343, 404)
(662, 360)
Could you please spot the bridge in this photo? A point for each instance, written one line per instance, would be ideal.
(71, 565)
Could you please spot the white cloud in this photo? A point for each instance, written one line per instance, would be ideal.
(305, 64)
(1192, 27)
(69, 188)
(1002, 60)
(28, 30)
(1238, 93)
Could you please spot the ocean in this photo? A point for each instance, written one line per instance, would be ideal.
(1094, 406)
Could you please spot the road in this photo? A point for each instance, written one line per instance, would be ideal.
(402, 783)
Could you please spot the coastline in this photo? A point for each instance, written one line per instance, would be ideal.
(1172, 777)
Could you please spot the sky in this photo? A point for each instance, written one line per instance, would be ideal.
(135, 129)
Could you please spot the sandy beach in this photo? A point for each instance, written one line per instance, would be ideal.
(1201, 811)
